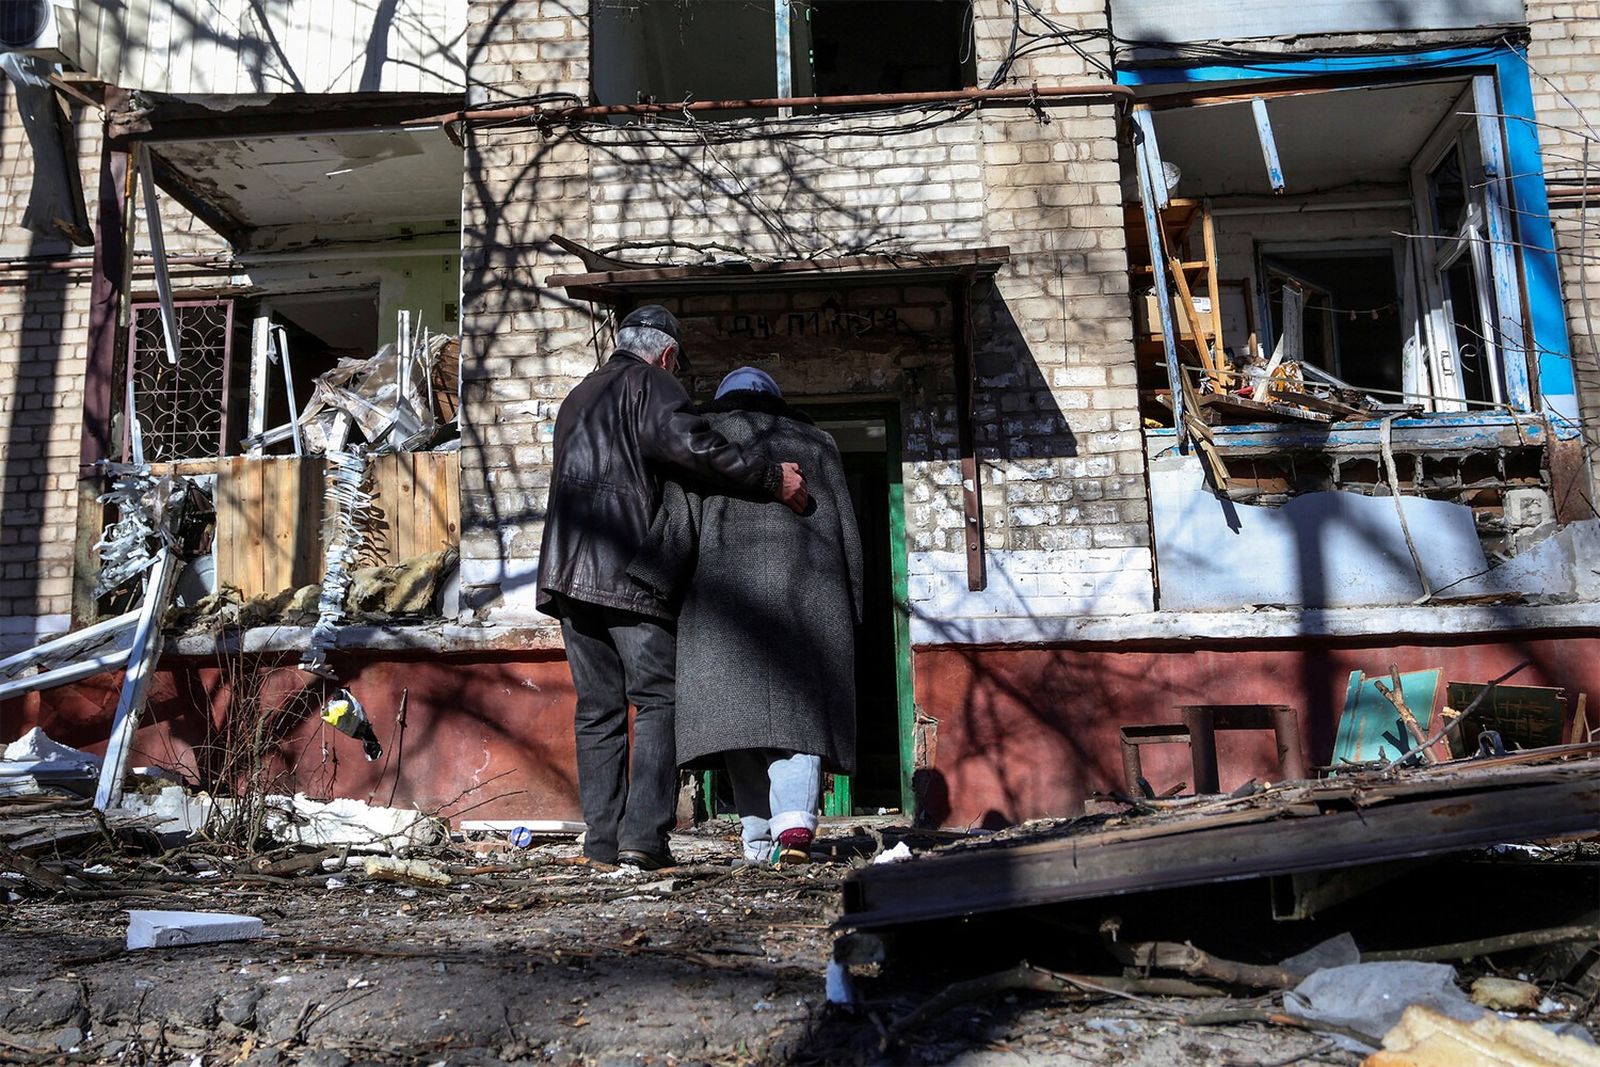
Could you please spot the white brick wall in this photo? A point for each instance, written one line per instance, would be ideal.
(1564, 65)
(1024, 585)
(1056, 423)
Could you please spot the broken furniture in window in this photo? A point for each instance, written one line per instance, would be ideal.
(271, 517)
(1390, 279)
(1384, 324)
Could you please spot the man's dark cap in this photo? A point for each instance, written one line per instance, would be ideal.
(657, 317)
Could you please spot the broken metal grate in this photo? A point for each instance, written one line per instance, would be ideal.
(182, 410)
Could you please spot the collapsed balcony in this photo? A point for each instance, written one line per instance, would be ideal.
(1333, 301)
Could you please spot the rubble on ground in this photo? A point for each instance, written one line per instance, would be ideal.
(379, 595)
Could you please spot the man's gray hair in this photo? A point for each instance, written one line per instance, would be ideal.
(644, 340)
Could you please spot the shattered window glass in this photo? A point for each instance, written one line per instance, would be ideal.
(1447, 188)
(1466, 318)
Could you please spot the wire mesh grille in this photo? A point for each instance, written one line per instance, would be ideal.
(182, 410)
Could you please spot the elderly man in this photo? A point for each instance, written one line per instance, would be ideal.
(619, 431)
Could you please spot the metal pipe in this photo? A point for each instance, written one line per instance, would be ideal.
(334, 255)
(1286, 733)
(1050, 95)
(201, 263)
(31, 263)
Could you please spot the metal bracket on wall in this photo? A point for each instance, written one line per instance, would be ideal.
(966, 386)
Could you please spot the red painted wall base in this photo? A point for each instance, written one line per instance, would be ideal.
(1021, 732)
(489, 736)
(1031, 732)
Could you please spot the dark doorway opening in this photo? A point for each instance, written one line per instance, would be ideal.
(1351, 318)
(869, 444)
(871, 462)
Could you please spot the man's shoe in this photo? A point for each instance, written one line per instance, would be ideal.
(645, 861)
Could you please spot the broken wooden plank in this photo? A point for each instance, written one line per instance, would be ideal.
(1002, 875)
(1196, 327)
(1255, 409)
(44, 878)
(1321, 404)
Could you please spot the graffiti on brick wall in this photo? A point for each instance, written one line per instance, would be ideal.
(819, 322)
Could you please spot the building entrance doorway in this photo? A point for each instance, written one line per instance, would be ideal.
(869, 442)
(868, 436)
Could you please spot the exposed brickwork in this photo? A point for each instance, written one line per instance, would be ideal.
(1056, 421)
(1564, 57)
(44, 317)
(43, 347)
(523, 346)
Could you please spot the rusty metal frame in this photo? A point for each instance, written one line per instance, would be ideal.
(1204, 720)
(227, 364)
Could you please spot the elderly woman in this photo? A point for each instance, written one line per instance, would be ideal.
(766, 626)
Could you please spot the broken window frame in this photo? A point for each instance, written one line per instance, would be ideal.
(793, 60)
(1531, 321)
(1440, 249)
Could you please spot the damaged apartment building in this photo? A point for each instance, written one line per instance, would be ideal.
(1177, 358)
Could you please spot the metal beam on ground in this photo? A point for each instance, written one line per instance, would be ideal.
(144, 652)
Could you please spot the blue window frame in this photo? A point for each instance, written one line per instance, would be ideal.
(1504, 103)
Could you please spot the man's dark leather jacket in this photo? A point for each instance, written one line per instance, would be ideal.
(618, 432)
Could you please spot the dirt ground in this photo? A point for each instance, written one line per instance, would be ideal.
(534, 958)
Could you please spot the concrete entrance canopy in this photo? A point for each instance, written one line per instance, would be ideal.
(957, 269)
(628, 285)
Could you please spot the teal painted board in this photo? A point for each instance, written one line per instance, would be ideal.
(1370, 728)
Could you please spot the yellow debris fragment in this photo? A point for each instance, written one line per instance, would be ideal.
(1425, 1038)
(1506, 994)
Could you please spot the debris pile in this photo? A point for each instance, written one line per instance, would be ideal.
(403, 398)
(34, 764)
(1208, 896)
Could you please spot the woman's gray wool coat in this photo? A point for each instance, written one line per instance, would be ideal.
(769, 599)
